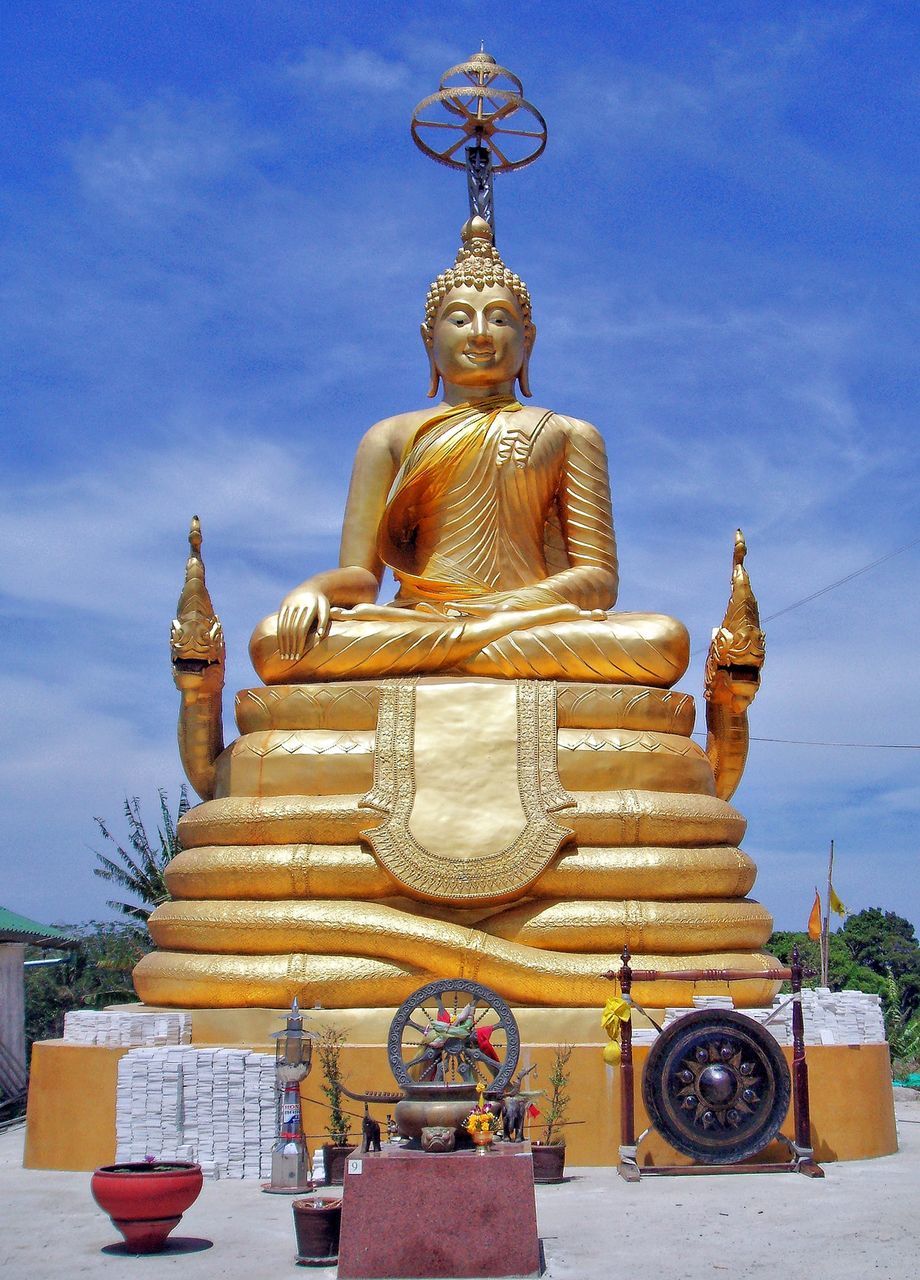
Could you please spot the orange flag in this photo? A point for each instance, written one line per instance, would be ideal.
(814, 920)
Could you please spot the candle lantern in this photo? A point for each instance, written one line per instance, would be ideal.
(293, 1056)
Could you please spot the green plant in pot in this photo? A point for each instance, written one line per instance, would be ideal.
(329, 1044)
(549, 1149)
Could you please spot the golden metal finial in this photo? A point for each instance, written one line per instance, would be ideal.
(740, 548)
(482, 104)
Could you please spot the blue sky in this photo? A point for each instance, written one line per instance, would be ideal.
(217, 240)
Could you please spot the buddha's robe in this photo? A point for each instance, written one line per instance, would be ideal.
(482, 505)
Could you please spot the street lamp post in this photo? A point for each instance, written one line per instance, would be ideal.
(290, 1157)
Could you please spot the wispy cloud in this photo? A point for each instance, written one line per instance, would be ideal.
(163, 158)
(346, 67)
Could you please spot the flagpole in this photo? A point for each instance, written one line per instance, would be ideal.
(826, 924)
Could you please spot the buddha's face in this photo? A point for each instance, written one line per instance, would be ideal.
(480, 338)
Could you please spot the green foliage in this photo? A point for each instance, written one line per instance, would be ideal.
(844, 973)
(905, 1050)
(95, 973)
(557, 1099)
(886, 943)
(875, 951)
(329, 1044)
(141, 868)
(903, 1032)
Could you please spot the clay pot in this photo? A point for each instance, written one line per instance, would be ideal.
(317, 1224)
(334, 1157)
(146, 1200)
(548, 1163)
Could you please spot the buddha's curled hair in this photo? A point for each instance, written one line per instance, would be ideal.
(478, 265)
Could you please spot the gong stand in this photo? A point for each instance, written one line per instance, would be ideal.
(801, 1151)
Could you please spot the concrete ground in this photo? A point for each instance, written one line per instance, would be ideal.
(862, 1220)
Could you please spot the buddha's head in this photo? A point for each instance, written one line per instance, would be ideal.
(478, 329)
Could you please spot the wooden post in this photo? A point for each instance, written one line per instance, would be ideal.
(802, 1112)
(627, 1108)
(826, 924)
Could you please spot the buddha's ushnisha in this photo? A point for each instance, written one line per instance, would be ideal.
(494, 517)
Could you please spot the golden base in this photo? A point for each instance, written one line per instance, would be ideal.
(71, 1115)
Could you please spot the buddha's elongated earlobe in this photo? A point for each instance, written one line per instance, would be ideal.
(524, 371)
(523, 379)
(434, 378)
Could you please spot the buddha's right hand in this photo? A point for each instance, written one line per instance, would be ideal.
(303, 620)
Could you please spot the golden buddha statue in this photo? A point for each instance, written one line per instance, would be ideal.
(494, 518)
(490, 777)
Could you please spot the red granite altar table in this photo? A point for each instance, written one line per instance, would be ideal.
(410, 1214)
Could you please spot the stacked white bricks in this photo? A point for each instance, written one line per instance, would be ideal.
(830, 1017)
(120, 1028)
(216, 1106)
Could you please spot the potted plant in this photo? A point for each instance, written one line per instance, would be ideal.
(329, 1045)
(549, 1150)
(146, 1200)
(317, 1225)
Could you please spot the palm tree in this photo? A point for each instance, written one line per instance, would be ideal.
(142, 867)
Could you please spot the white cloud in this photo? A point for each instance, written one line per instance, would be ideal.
(159, 159)
(95, 540)
(346, 67)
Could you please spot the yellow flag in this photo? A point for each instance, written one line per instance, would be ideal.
(814, 920)
(834, 902)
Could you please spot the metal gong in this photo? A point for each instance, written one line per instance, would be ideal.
(716, 1085)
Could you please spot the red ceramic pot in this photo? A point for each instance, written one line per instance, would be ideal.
(146, 1200)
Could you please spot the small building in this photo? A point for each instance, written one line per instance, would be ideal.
(16, 933)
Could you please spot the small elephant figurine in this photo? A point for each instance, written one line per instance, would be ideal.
(514, 1113)
(370, 1132)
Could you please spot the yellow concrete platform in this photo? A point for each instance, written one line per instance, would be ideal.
(71, 1114)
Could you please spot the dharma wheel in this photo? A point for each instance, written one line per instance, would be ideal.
(454, 1032)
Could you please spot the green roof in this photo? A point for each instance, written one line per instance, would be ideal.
(14, 928)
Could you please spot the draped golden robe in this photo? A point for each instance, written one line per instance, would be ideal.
(486, 502)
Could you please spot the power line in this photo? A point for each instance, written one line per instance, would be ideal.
(831, 586)
(861, 746)
(840, 581)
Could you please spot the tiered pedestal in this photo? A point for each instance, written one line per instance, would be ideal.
(367, 837)
(410, 1214)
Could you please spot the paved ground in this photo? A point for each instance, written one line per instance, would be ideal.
(862, 1220)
